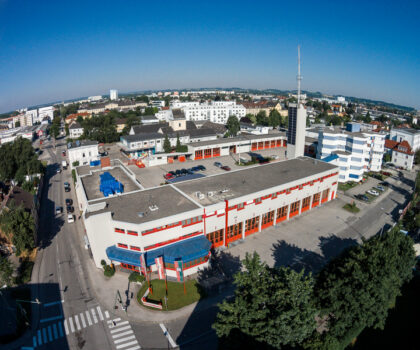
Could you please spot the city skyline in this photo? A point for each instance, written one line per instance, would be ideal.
(65, 51)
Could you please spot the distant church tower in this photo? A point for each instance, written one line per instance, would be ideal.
(297, 123)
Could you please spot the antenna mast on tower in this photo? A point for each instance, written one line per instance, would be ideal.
(298, 78)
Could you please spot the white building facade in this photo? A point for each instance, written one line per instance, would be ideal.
(412, 136)
(83, 152)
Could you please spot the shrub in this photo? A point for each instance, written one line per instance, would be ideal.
(73, 174)
(76, 163)
(103, 263)
(136, 277)
(108, 271)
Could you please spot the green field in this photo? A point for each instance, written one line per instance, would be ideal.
(176, 296)
(351, 208)
(346, 186)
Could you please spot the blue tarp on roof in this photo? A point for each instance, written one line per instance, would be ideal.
(188, 250)
(330, 158)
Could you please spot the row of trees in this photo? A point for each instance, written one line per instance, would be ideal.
(18, 159)
(275, 308)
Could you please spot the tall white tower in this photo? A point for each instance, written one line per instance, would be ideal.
(297, 123)
(113, 95)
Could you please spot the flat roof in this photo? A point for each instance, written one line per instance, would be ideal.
(127, 207)
(242, 138)
(252, 179)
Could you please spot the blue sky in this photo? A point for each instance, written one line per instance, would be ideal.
(56, 50)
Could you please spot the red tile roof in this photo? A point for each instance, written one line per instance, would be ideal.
(402, 147)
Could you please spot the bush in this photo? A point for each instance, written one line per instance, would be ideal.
(109, 271)
(73, 174)
(136, 277)
(76, 163)
(103, 263)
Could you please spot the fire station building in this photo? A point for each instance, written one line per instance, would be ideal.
(183, 221)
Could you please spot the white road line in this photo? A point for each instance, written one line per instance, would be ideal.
(77, 322)
(88, 317)
(121, 323)
(114, 320)
(101, 317)
(94, 315)
(120, 329)
(117, 341)
(82, 318)
(118, 335)
(167, 335)
(127, 344)
(66, 328)
(71, 324)
(134, 348)
(106, 314)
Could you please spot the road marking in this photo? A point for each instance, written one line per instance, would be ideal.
(51, 319)
(127, 344)
(66, 328)
(60, 329)
(121, 323)
(76, 319)
(120, 329)
(50, 338)
(88, 317)
(114, 320)
(134, 348)
(55, 331)
(117, 341)
(34, 342)
(167, 335)
(44, 334)
(39, 337)
(53, 303)
(83, 320)
(122, 334)
(106, 314)
(101, 317)
(94, 315)
(71, 324)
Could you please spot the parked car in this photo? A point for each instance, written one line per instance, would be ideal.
(58, 170)
(201, 167)
(70, 218)
(184, 171)
(69, 201)
(373, 193)
(190, 172)
(172, 173)
(218, 164)
(168, 176)
(225, 167)
(275, 156)
(386, 173)
(63, 153)
(178, 172)
(70, 209)
(195, 168)
(58, 210)
(380, 188)
(384, 183)
(362, 197)
(66, 187)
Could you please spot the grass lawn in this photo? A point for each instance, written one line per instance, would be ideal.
(351, 208)
(346, 186)
(176, 296)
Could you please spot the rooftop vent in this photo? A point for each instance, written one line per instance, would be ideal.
(153, 207)
(224, 190)
(210, 194)
(140, 214)
(199, 195)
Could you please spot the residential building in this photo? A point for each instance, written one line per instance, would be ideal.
(83, 152)
(412, 136)
(22, 119)
(113, 95)
(75, 130)
(182, 221)
(46, 112)
(157, 103)
(149, 119)
(215, 111)
(94, 98)
(120, 124)
(255, 129)
(264, 106)
(401, 153)
(355, 152)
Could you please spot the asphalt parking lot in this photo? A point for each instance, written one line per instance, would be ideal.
(153, 176)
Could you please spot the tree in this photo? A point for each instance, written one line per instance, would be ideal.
(274, 118)
(233, 125)
(357, 289)
(387, 157)
(417, 157)
(262, 118)
(6, 271)
(17, 124)
(367, 118)
(167, 145)
(19, 226)
(271, 306)
(251, 117)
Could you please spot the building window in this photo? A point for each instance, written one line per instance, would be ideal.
(234, 230)
(257, 200)
(240, 206)
(252, 224)
(267, 217)
(119, 230)
(216, 237)
(325, 194)
(306, 201)
(294, 207)
(121, 245)
(282, 212)
(133, 233)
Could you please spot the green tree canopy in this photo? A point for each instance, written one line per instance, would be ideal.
(271, 306)
(6, 271)
(262, 118)
(357, 289)
(233, 125)
(167, 145)
(274, 118)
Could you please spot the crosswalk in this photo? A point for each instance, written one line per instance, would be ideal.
(122, 335)
(72, 324)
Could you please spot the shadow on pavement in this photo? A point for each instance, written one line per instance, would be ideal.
(28, 322)
(286, 254)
